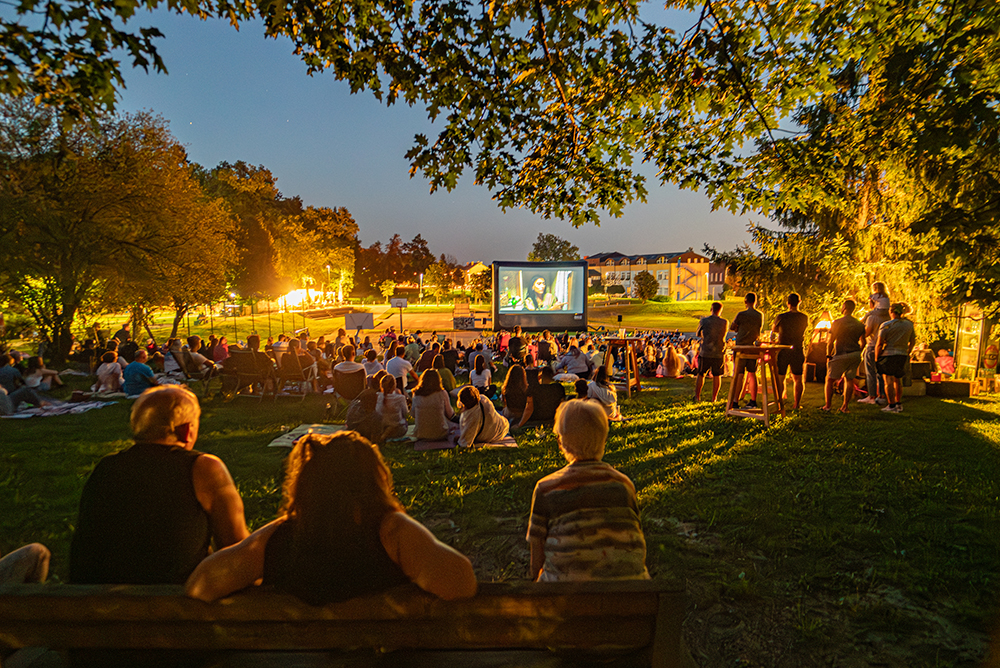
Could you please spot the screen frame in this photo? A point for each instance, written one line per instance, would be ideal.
(536, 321)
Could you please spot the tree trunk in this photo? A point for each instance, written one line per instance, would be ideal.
(179, 311)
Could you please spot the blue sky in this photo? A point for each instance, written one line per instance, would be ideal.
(239, 96)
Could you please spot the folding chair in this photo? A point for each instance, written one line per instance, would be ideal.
(348, 386)
(292, 372)
(191, 373)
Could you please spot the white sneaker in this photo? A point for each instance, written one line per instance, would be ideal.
(867, 400)
(892, 409)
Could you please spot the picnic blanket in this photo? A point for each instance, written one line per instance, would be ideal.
(452, 442)
(287, 440)
(58, 409)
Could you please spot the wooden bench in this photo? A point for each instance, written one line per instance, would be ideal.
(597, 618)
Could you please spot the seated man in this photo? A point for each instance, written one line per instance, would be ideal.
(12, 381)
(349, 365)
(584, 522)
(200, 361)
(148, 514)
(138, 377)
(548, 394)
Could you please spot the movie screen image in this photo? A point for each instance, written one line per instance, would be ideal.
(539, 287)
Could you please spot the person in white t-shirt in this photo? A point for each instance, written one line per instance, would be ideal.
(398, 367)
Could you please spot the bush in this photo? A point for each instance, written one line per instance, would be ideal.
(663, 299)
(616, 289)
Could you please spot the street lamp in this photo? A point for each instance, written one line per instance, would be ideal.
(421, 293)
(236, 336)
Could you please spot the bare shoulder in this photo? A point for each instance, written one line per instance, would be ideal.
(210, 471)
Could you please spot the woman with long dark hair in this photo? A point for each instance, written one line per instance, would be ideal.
(515, 394)
(431, 408)
(340, 533)
(538, 297)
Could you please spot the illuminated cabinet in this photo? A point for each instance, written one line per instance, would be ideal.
(975, 344)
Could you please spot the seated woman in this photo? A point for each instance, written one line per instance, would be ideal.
(515, 394)
(109, 374)
(603, 391)
(479, 421)
(363, 416)
(480, 377)
(448, 381)
(392, 407)
(431, 408)
(340, 533)
(40, 378)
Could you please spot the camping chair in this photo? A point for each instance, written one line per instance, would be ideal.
(242, 367)
(292, 372)
(348, 386)
(191, 373)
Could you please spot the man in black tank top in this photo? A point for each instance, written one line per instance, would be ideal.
(148, 513)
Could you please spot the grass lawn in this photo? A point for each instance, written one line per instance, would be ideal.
(867, 539)
(656, 315)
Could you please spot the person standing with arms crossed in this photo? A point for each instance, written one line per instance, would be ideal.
(791, 328)
(711, 356)
(747, 325)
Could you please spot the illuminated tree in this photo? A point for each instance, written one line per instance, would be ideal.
(646, 285)
(93, 208)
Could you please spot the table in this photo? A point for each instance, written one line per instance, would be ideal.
(631, 363)
(767, 353)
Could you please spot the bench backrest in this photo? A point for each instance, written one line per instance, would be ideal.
(586, 616)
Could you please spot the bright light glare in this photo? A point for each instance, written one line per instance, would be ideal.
(293, 298)
(823, 324)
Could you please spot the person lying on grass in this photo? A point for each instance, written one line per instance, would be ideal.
(584, 522)
(341, 533)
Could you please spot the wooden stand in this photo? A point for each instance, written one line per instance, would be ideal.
(768, 366)
(631, 363)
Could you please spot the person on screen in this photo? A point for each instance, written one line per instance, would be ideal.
(538, 298)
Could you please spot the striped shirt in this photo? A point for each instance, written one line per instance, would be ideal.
(588, 516)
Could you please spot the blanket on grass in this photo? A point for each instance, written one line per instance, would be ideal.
(287, 440)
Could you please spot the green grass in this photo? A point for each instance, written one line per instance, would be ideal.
(655, 315)
(872, 538)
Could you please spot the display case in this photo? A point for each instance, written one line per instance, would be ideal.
(975, 344)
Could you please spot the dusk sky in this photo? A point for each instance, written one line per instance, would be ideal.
(239, 96)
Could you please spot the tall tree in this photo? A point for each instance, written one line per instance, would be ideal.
(646, 285)
(259, 210)
(550, 248)
(439, 280)
(88, 207)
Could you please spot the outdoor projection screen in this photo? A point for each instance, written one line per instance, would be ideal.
(540, 295)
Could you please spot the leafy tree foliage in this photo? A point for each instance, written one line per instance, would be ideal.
(396, 261)
(439, 279)
(646, 285)
(550, 248)
(891, 108)
(388, 289)
(481, 285)
(91, 208)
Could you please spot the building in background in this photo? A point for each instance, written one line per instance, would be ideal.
(684, 276)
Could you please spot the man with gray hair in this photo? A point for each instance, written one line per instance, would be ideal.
(148, 514)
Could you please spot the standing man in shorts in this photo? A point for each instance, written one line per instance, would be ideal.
(896, 337)
(791, 328)
(711, 356)
(843, 354)
(747, 325)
